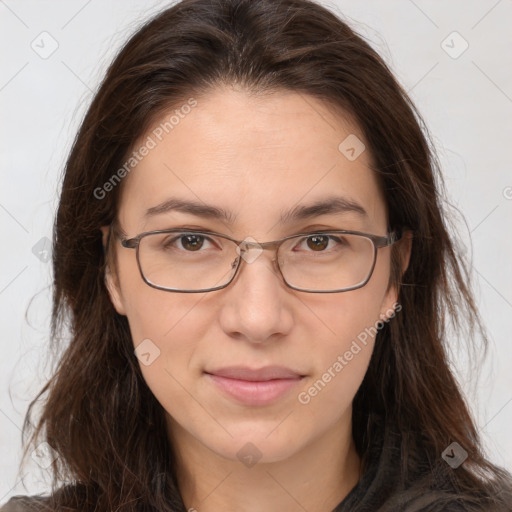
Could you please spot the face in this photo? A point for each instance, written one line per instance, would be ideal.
(255, 157)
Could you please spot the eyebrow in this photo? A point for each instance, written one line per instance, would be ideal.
(329, 205)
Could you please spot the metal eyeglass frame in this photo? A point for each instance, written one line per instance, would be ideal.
(377, 240)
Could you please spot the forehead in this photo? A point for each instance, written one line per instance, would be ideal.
(256, 157)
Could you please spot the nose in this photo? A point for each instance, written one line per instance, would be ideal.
(257, 302)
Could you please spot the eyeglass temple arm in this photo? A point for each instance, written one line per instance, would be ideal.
(395, 235)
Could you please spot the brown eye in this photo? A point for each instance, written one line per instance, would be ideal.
(318, 242)
(192, 242)
(184, 242)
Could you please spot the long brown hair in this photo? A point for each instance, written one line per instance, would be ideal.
(99, 415)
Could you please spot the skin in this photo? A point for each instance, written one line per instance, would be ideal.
(254, 156)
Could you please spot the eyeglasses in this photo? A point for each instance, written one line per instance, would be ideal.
(192, 261)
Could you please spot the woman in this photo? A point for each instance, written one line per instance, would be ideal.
(251, 252)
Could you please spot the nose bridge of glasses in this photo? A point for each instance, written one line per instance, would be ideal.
(249, 249)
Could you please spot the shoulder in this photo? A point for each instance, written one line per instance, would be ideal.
(401, 475)
(25, 504)
(67, 498)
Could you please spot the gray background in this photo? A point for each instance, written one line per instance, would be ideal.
(465, 97)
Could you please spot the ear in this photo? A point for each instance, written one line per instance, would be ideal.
(405, 248)
(390, 303)
(110, 278)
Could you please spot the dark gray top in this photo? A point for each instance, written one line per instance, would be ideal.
(23, 504)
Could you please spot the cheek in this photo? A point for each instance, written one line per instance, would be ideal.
(164, 328)
(167, 329)
(151, 313)
(168, 322)
(348, 315)
(350, 322)
(341, 356)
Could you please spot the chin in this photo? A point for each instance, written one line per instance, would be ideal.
(257, 446)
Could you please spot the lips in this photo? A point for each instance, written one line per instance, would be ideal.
(255, 387)
(261, 374)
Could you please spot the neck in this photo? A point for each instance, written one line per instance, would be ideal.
(317, 477)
